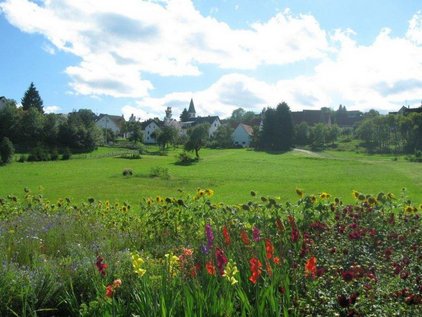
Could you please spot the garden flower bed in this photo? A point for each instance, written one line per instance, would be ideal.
(188, 256)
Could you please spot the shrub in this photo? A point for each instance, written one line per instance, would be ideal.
(185, 159)
(67, 154)
(38, 154)
(22, 158)
(160, 172)
(54, 154)
(127, 172)
(6, 151)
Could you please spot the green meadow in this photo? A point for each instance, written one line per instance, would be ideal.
(232, 174)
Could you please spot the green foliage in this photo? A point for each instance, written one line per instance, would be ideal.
(32, 99)
(222, 138)
(198, 137)
(184, 116)
(277, 133)
(167, 135)
(188, 256)
(7, 151)
(39, 153)
(127, 172)
(185, 159)
(160, 172)
(67, 154)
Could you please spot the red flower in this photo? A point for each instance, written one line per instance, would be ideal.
(255, 266)
(269, 248)
(310, 267)
(210, 268)
(226, 235)
(244, 237)
(109, 291)
(101, 266)
(347, 276)
(221, 260)
(276, 260)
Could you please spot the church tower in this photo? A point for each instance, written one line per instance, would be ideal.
(191, 111)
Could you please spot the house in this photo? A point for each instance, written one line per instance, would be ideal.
(213, 121)
(149, 127)
(110, 122)
(312, 117)
(407, 110)
(242, 135)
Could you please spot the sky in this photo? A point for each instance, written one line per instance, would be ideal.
(139, 57)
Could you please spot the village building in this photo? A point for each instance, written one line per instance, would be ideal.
(113, 123)
(242, 135)
(150, 128)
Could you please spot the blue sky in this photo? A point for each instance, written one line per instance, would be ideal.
(135, 56)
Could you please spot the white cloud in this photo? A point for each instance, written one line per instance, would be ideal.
(52, 109)
(168, 38)
(119, 44)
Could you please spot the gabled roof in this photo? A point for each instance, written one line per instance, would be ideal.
(149, 121)
(118, 120)
(247, 128)
(209, 119)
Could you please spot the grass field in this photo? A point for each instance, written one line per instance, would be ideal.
(232, 174)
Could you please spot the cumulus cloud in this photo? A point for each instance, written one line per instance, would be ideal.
(52, 109)
(168, 38)
(120, 45)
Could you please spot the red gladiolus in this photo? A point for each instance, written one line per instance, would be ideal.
(101, 266)
(310, 267)
(255, 266)
(295, 235)
(269, 248)
(244, 237)
(221, 260)
(268, 268)
(279, 225)
(210, 268)
(226, 235)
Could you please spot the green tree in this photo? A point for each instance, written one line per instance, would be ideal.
(318, 135)
(237, 115)
(184, 116)
(278, 131)
(167, 135)
(6, 151)
(302, 133)
(9, 120)
(223, 137)
(134, 130)
(32, 99)
(31, 127)
(198, 137)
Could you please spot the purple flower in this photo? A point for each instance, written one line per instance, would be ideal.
(256, 234)
(210, 235)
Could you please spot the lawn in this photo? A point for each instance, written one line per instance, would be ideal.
(232, 174)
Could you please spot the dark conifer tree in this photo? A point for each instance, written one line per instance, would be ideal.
(32, 99)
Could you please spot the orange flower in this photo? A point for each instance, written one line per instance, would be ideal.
(276, 260)
(244, 237)
(210, 268)
(310, 267)
(255, 266)
(269, 248)
(109, 291)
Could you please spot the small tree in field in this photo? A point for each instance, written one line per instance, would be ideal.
(32, 99)
(6, 151)
(198, 137)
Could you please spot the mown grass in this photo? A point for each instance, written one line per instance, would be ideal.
(231, 173)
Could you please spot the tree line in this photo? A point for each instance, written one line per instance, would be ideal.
(45, 136)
